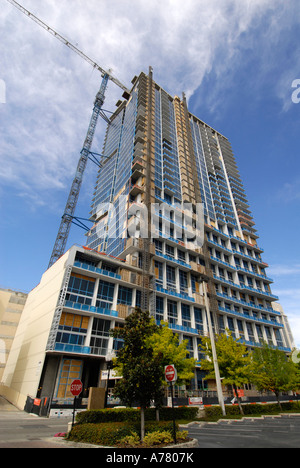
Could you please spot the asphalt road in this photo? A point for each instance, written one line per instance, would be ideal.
(270, 432)
(22, 430)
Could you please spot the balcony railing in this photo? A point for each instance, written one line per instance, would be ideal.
(75, 349)
(85, 266)
(92, 309)
(249, 317)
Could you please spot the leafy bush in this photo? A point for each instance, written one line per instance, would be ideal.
(181, 435)
(157, 438)
(108, 415)
(130, 441)
(216, 411)
(133, 415)
(111, 434)
(100, 434)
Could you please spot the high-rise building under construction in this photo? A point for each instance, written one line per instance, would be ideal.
(158, 154)
(158, 159)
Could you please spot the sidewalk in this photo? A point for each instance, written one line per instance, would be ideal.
(5, 406)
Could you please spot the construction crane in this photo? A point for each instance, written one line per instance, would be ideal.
(68, 216)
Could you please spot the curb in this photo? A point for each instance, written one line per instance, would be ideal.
(71, 444)
(229, 421)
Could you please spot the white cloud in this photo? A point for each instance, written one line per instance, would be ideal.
(280, 270)
(290, 191)
(50, 90)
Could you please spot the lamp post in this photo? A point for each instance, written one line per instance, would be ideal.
(214, 352)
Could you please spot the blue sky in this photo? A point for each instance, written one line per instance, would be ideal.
(235, 59)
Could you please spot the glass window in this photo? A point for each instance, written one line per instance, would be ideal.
(125, 295)
(171, 282)
(159, 314)
(172, 312)
(81, 285)
(186, 315)
(106, 291)
(183, 281)
(198, 319)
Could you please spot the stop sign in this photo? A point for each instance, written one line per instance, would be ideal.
(170, 373)
(76, 387)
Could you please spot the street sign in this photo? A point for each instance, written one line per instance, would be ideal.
(171, 377)
(170, 373)
(76, 387)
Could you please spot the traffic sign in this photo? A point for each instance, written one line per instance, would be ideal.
(170, 373)
(76, 387)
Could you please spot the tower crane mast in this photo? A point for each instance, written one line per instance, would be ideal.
(67, 218)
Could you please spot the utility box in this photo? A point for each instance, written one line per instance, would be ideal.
(96, 398)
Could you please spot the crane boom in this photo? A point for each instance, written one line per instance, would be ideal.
(69, 44)
(67, 218)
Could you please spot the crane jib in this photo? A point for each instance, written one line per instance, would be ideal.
(68, 44)
(67, 218)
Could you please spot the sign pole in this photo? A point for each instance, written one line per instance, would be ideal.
(74, 408)
(171, 377)
(173, 411)
(75, 389)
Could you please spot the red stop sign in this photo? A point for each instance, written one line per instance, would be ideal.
(170, 373)
(76, 387)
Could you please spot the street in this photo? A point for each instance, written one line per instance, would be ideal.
(270, 432)
(22, 430)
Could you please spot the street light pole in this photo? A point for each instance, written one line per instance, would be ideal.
(214, 352)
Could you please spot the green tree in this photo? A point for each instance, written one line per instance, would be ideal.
(273, 371)
(234, 362)
(140, 368)
(166, 347)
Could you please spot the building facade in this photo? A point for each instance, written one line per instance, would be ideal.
(11, 307)
(159, 155)
(144, 249)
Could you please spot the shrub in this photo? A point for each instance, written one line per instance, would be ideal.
(216, 412)
(133, 415)
(111, 434)
(157, 438)
(130, 441)
(181, 435)
(108, 415)
(101, 434)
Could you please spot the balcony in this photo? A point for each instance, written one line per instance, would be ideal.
(173, 260)
(173, 293)
(91, 309)
(249, 317)
(249, 305)
(93, 269)
(254, 273)
(259, 292)
(135, 190)
(183, 329)
(74, 349)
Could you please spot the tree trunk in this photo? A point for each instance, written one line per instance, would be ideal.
(238, 399)
(142, 423)
(278, 400)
